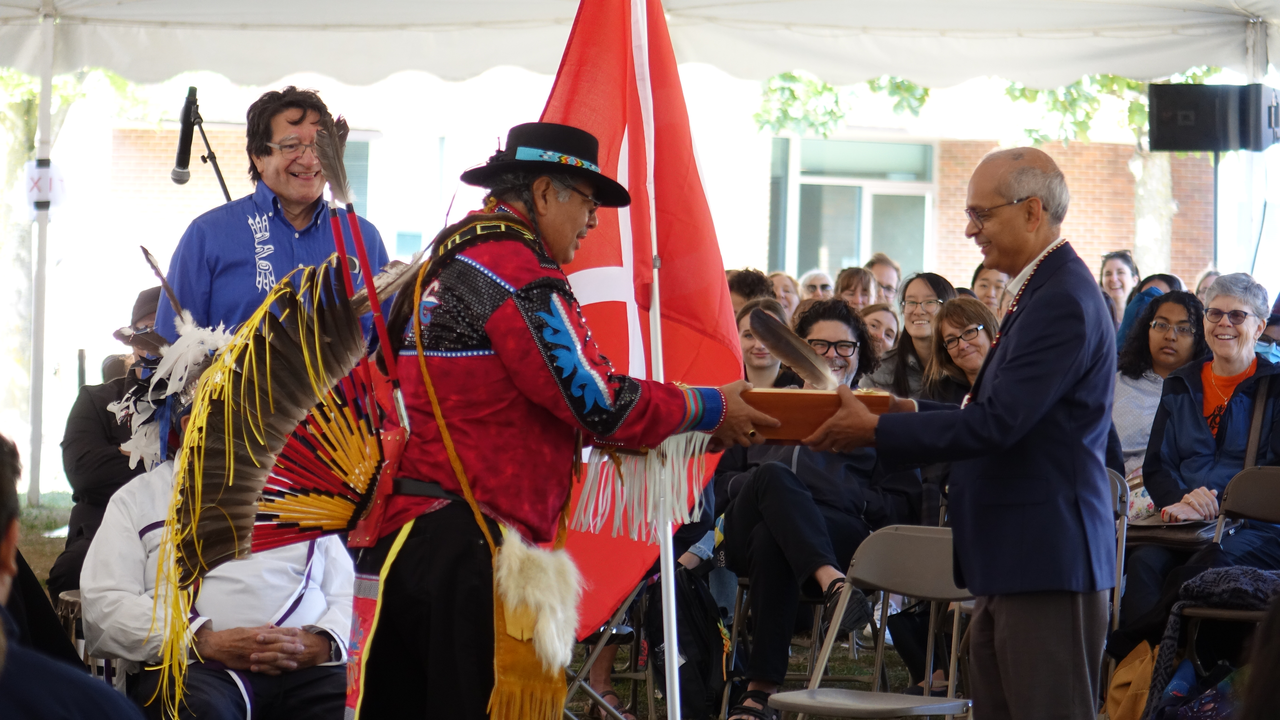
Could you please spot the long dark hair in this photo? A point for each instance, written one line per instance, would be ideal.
(1173, 282)
(839, 311)
(1135, 355)
(907, 349)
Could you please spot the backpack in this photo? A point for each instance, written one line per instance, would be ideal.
(704, 644)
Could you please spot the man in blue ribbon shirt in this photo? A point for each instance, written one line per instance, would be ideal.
(1030, 496)
(230, 257)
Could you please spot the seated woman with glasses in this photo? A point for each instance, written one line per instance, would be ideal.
(1198, 441)
(962, 335)
(1168, 335)
(901, 370)
(793, 517)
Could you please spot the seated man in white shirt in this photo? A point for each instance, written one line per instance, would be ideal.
(270, 629)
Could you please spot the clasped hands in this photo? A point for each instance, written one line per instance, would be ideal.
(853, 426)
(1199, 504)
(267, 649)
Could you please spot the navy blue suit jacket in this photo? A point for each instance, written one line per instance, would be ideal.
(1030, 497)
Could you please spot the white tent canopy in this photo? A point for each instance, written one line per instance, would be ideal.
(937, 43)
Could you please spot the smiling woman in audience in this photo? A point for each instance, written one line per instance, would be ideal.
(901, 370)
(962, 336)
(787, 291)
(763, 369)
(858, 287)
(882, 326)
(1119, 275)
(1168, 334)
(1199, 435)
(815, 285)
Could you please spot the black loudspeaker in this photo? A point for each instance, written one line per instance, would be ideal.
(1213, 117)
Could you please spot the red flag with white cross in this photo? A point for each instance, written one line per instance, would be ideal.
(618, 81)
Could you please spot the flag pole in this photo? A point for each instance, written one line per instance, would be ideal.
(666, 558)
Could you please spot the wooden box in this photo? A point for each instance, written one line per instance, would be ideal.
(803, 411)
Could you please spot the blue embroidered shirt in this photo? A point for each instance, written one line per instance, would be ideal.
(230, 257)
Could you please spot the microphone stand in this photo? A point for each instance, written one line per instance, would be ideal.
(210, 158)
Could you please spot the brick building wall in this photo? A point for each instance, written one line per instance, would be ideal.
(1100, 219)
(141, 159)
(1193, 223)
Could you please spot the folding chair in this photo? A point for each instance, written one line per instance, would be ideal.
(632, 673)
(1253, 494)
(739, 621)
(908, 560)
(1120, 509)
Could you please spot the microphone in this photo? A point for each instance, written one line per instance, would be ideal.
(181, 174)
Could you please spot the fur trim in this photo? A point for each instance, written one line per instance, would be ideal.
(546, 583)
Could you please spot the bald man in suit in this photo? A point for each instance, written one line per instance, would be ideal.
(1030, 497)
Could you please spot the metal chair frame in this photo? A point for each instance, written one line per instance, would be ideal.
(932, 544)
(1253, 494)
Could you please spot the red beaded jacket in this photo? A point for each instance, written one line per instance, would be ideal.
(518, 375)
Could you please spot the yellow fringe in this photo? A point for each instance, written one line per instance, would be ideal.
(521, 701)
(173, 599)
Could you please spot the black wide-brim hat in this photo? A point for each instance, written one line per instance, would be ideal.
(552, 149)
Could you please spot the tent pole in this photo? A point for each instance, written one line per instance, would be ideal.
(44, 143)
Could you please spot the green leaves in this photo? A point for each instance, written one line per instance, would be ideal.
(1072, 108)
(802, 104)
(908, 97)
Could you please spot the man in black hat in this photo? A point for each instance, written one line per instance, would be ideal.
(520, 385)
(92, 457)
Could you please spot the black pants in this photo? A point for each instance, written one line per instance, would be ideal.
(314, 693)
(431, 654)
(1146, 567)
(776, 535)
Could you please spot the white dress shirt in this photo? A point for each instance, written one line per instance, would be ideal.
(302, 585)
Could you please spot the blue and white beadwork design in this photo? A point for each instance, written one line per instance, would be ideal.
(586, 383)
(528, 153)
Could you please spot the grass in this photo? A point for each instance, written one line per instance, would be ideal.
(40, 551)
(841, 664)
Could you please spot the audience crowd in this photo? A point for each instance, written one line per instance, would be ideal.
(1190, 363)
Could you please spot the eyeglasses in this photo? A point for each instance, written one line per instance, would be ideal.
(844, 348)
(978, 217)
(968, 336)
(816, 288)
(1237, 317)
(1179, 331)
(594, 202)
(888, 289)
(293, 148)
(930, 306)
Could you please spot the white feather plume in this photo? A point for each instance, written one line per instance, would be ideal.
(193, 348)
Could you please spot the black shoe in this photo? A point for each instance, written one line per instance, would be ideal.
(857, 613)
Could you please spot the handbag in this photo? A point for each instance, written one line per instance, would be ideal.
(1195, 535)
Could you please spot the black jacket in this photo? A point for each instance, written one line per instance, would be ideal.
(854, 482)
(96, 469)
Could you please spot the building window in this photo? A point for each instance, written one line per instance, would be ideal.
(834, 203)
(408, 243)
(356, 159)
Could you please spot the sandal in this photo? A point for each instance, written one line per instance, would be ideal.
(616, 704)
(750, 711)
(857, 612)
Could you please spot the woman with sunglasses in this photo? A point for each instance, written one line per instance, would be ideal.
(1198, 441)
(962, 335)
